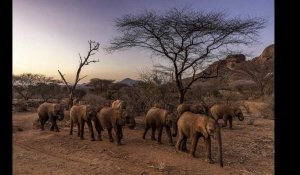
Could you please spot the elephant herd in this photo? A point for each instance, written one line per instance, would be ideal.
(189, 121)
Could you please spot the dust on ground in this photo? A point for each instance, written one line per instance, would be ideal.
(247, 149)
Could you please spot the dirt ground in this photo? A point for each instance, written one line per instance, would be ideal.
(247, 149)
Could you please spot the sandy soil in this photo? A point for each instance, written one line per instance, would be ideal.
(248, 149)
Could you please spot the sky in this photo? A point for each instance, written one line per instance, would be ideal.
(48, 35)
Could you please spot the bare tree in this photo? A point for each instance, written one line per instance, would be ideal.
(187, 40)
(94, 46)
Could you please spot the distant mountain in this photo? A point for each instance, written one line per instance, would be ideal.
(128, 81)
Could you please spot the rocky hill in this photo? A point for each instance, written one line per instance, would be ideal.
(228, 65)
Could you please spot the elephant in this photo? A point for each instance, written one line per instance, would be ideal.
(119, 104)
(109, 118)
(157, 118)
(79, 114)
(194, 126)
(197, 109)
(129, 120)
(50, 111)
(226, 112)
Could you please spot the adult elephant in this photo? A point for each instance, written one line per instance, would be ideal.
(194, 126)
(52, 111)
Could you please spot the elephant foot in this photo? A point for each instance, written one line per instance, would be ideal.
(70, 134)
(171, 144)
(159, 143)
(92, 139)
(119, 144)
(143, 137)
(192, 155)
(51, 129)
(99, 138)
(209, 160)
(111, 140)
(81, 138)
(56, 130)
(153, 138)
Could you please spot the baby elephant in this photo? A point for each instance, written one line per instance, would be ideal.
(194, 126)
(109, 118)
(80, 114)
(157, 118)
(226, 112)
(50, 111)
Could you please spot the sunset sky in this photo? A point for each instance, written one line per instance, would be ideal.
(49, 34)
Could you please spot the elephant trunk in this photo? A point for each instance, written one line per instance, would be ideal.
(241, 118)
(219, 139)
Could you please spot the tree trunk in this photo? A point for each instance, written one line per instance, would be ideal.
(71, 100)
(181, 96)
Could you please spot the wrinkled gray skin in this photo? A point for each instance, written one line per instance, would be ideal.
(52, 111)
(226, 112)
(110, 118)
(79, 114)
(194, 126)
(158, 118)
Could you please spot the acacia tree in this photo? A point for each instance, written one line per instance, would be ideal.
(49, 89)
(93, 47)
(99, 85)
(186, 39)
(260, 73)
(26, 84)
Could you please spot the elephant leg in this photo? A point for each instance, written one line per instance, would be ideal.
(160, 129)
(117, 135)
(207, 142)
(98, 130)
(42, 124)
(82, 129)
(195, 139)
(179, 141)
(52, 127)
(91, 130)
(71, 128)
(55, 126)
(110, 135)
(120, 131)
(78, 131)
(230, 122)
(153, 127)
(168, 130)
(146, 129)
(183, 144)
(224, 121)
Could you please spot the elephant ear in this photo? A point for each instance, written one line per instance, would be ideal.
(118, 118)
(236, 111)
(170, 117)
